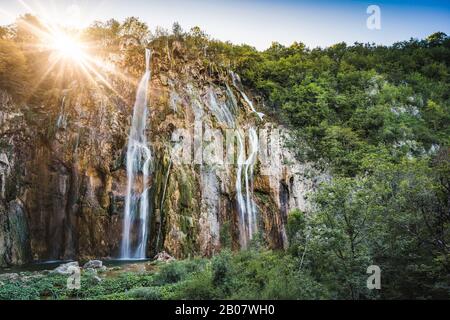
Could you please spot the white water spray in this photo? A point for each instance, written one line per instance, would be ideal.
(248, 225)
(243, 234)
(139, 160)
(248, 174)
(238, 85)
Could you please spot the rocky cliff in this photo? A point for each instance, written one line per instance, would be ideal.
(63, 175)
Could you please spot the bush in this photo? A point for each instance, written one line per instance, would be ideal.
(222, 272)
(250, 275)
(296, 232)
(198, 287)
(171, 273)
(148, 293)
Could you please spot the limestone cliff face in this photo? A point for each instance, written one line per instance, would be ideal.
(63, 176)
(14, 228)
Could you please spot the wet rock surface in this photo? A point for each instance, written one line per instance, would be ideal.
(93, 264)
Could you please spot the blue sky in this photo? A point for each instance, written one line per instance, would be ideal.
(256, 22)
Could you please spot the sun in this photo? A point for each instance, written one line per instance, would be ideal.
(67, 47)
(71, 52)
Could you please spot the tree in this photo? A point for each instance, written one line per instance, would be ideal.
(437, 39)
(177, 30)
(29, 29)
(104, 35)
(340, 240)
(12, 69)
(135, 31)
(4, 32)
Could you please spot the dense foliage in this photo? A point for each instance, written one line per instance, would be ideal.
(376, 118)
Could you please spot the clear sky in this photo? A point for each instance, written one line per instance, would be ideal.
(256, 22)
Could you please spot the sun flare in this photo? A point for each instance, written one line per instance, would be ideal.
(67, 47)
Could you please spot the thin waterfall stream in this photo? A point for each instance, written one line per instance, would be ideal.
(139, 162)
(248, 225)
(243, 230)
(248, 174)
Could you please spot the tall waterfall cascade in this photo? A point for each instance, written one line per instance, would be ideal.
(248, 178)
(139, 163)
(248, 223)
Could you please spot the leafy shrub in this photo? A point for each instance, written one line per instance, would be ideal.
(221, 271)
(171, 273)
(198, 287)
(148, 293)
(250, 275)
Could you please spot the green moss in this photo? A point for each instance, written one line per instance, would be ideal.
(186, 186)
(264, 197)
(187, 211)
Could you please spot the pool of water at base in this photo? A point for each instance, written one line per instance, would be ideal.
(52, 264)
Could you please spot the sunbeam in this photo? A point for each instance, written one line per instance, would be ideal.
(67, 50)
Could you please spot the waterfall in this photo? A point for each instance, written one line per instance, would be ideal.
(237, 83)
(61, 122)
(139, 160)
(243, 234)
(248, 224)
(259, 114)
(220, 111)
(248, 174)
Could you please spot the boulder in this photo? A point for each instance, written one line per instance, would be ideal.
(66, 268)
(93, 264)
(9, 277)
(164, 256)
